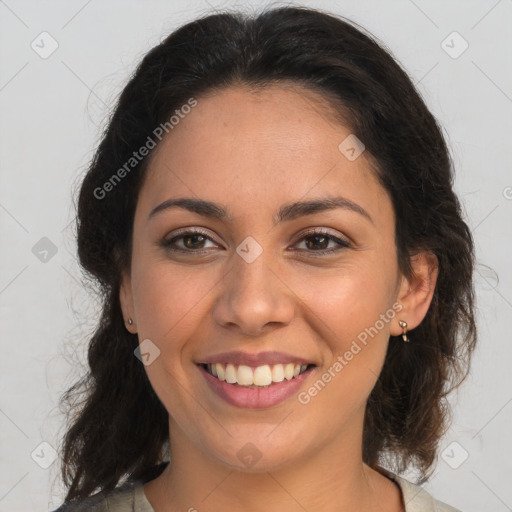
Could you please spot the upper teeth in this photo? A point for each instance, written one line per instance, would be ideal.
(261, 376)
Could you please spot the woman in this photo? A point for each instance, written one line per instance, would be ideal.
(287, 278)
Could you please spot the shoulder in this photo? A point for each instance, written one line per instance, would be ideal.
(126, 498)
(417, 499)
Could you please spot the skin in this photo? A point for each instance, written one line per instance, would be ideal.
(253, 151)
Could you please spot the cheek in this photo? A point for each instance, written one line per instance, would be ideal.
(170, 306)
(168, 299)
(347, 315)
(351, 312)
(347, 299)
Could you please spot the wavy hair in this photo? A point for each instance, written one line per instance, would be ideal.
(118, 428)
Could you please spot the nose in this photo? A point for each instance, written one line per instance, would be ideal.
(254, 297)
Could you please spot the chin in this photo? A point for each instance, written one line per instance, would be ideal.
(258, 455)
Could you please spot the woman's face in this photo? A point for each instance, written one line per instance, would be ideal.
(254, 281)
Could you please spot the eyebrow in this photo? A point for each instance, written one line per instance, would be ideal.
(287, 212)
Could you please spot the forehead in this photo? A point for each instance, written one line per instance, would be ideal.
(259, 145)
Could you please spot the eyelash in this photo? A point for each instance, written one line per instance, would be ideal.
(342, 243)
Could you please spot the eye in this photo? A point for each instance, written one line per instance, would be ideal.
(321, 237)
(192, 241)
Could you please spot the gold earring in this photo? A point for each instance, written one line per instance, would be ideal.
(403, 325)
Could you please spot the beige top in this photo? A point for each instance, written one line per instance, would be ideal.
(130, 497)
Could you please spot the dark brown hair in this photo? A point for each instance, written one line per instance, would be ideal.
(119, 427)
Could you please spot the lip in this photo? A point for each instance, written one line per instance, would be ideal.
(254, 398)
(255, 359)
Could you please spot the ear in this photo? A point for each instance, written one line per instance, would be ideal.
(415, 294)
(126, 300)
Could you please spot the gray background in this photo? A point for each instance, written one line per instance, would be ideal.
(51, 113)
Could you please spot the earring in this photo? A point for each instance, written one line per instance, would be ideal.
(403, 325)
(130, 321)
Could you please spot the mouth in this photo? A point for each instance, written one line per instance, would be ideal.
(255, 377)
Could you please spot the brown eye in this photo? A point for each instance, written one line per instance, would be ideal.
(317, 242)
(188, 241)
(191, 241)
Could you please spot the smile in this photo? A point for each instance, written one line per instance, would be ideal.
(242, 394)
(260, 376)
